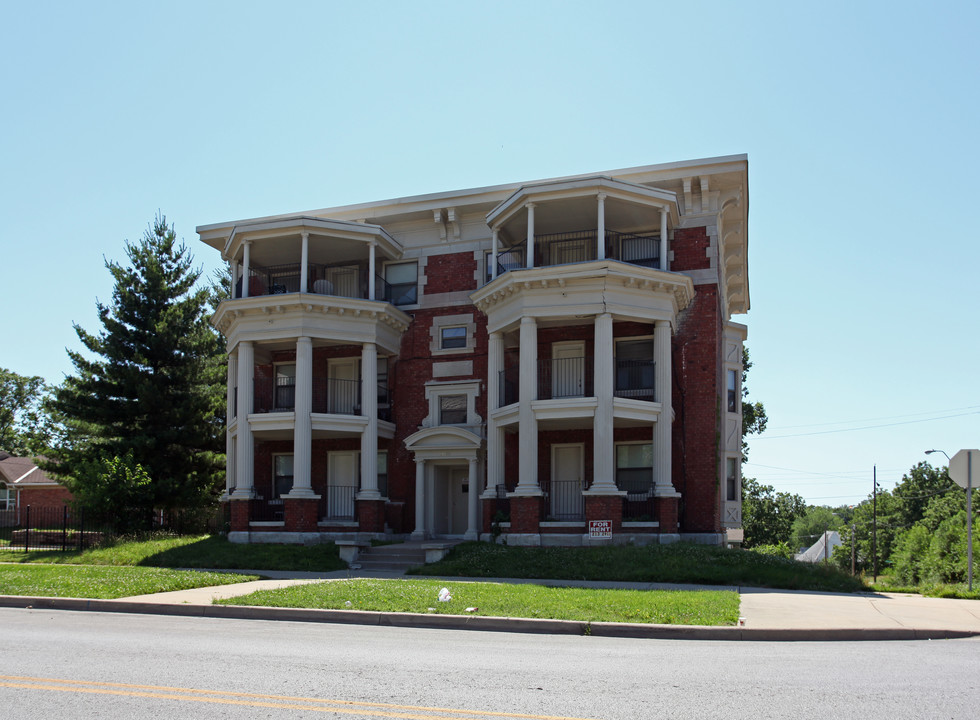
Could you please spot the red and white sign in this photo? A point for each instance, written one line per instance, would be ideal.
(600, 528)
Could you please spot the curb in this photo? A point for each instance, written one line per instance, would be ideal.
(485, 624)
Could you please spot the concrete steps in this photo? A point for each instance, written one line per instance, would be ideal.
(391, 558)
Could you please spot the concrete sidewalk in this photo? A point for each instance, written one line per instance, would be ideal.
(765, 614)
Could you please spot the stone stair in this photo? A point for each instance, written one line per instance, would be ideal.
(395, 558)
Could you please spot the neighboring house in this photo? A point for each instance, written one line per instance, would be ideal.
(22, 484)
(520, 359)
(822, 549)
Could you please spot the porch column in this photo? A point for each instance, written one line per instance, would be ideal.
(419, 532)
(493, 255)
(601, 227)
(304, 263)
(369, 437)
(303, 423)
(231, 401)
(235, 270)
(245, 465)
(527, 479)
(372, 263)
(663, 238)
(604, 466)
(246, 252)
(663, 485)
(530, 236)
(495, 439)
(473, 502)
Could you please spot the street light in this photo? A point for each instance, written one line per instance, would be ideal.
(930, 452)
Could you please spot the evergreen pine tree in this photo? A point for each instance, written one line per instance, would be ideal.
(151, 387)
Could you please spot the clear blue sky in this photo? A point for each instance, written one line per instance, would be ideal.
(860, 121)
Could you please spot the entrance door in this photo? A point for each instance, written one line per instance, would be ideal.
(342, 471)
(344, 392)
(567, 476)
(459, 492)
(567, 369)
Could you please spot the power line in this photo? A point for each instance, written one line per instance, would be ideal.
(884, 417)
(756, 438)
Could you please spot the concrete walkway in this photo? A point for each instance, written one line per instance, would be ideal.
(765, 614)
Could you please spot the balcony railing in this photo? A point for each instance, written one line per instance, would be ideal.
(564, 501)
(348, 281)
(337, 396)
(261, 510)
(581, 246)
(573, 377)
(338, 502)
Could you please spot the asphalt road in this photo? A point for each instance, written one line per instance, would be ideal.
(58, 664)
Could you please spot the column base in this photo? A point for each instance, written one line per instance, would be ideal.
(371, 515)
(525, 513)
(300, 514)
(666, 510)
(605, 507)
(241, 513)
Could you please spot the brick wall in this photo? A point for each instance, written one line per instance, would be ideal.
(690, 248)
(696, 361)
(450, 273)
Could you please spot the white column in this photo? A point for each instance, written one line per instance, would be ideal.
(419, 532)
(530, 236)
(304, 263)
(603, 455)
(601, 228)
(372, 269)
(495, 436)
(663, 238)
(245, 465)
(472, 504)
(527, 478)
(231, 401)
(303, 422)
(246, 252)
(369, 437)
(662, 428)
(493, 255)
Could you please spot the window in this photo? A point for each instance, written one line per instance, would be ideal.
(732, 391)
(6, 497)
(452, 337)
(383, 472)
(640, 250)
(282, 478)
(403, 280)
(731, 479)
(634, 368)
(384, 394)
(634, 468)
(452, 410)
(285, 387)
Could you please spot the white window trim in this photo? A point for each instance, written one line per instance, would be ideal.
(464, 320)
(435, 390)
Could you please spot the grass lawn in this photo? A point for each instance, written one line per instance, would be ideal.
(504, 600)
(104, 582)
(203, 551)
(679, 562)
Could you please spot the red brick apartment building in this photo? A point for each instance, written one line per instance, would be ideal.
(516, 360)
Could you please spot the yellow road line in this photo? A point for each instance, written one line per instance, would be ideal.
(348, 707)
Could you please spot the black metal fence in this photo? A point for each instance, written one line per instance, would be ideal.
(64, 528)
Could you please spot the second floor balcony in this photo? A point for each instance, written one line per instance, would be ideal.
(574, 378)
(335, 396)
(347, 281)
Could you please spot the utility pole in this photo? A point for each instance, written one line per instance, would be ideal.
(853, 549)
(874, 524)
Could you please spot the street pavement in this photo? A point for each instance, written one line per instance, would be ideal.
(766, 614)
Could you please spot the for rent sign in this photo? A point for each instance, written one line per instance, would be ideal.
(600, 528)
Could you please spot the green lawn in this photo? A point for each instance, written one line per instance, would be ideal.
(202, 551)
(507, 600)
(678, 563)
(105, 582)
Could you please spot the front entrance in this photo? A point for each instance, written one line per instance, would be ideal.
(450, 494)
(567, 475)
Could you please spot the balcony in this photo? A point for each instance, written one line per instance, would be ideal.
(563, 248)
(347, 281)
(573, 377)
(336, 396)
